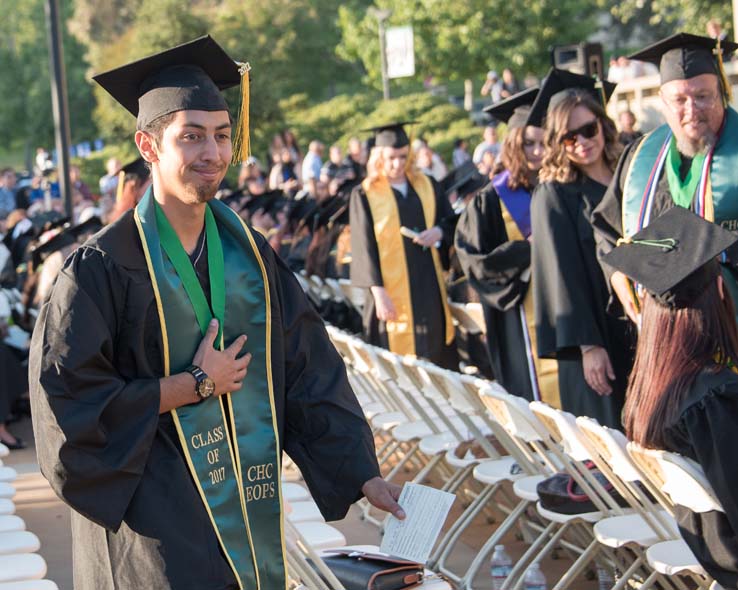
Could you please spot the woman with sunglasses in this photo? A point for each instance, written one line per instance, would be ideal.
(570, 292)
(493, 245)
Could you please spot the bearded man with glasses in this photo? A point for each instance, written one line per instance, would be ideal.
(689, 162)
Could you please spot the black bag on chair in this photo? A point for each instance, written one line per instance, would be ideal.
(358, 570)
(561, 493)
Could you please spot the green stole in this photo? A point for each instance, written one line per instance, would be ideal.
(721, 204)
(230, 442)
(719, 201)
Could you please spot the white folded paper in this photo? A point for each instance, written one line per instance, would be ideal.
(426, 510)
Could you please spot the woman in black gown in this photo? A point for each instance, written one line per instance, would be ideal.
(570, 293)
(493, 245)
(683, 392)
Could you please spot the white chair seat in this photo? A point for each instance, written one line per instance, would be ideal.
(320, 535)
(7, 474)
(18, 542)
(672, 557)
(460, 462)
(438, 443)
(6, 506)
(26, 566)
(493, 471)
(294, 492)
(7, 490)
(388, 420)
(4, 451)
(11, 523)
(371, 410)
(562, 518)
(617, 531)
(526, 488)
(307, 511)
(29, 585)
(411, 431)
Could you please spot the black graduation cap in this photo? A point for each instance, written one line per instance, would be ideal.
(674, 257)
(89, 226)
(330, 212)
(391, 135)
(187, 77)
(269, 202)
(514, 110)
(463, 179)
(41, 252)
(49, 220)
(301, 210)
(683, 56)
(137, 168)
(560, 84)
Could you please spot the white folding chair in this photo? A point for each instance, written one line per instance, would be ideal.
(679, 481)
(29, 585)
(20, 567)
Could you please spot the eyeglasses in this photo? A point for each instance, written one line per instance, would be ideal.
(587, 131)
(700, 101)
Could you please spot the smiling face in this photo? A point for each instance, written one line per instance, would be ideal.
(192, 156)
(584, 151)
(395, 162)
(533, 147)
(694, 111)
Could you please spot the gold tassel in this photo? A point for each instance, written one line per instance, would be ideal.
(241, 138)
(727, 90)
(119, 188)
(601, 87)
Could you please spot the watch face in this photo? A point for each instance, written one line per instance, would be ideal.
(206, 387)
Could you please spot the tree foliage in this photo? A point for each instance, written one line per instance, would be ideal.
(677, 15)
(458, 40)
(26, 115)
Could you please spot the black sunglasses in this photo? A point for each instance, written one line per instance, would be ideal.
(587, 131)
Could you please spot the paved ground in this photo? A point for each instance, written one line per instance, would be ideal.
(48, 518)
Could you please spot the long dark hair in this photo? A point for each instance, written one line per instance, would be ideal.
(674, 346)
(514, 160)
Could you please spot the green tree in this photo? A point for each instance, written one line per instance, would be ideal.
(25, 112)
(690, 17)
(456, 40)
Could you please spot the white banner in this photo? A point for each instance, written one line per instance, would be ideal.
(400, 52)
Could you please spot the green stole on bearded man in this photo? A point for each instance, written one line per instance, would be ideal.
(230, 442)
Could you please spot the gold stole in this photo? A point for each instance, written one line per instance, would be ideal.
(392, 260)
(546, 369)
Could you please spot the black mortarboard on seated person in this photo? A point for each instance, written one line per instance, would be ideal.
(332, 211)
(301, 210)
(138, 168)
(41, 252)
(391, 135)
(186, 77)
(463, 179)
(560, 84)
(89, 226)
(675, 257)
(683, 56)
(514, 110)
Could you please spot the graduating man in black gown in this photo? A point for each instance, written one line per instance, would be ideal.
(399, 218)
(150, 422)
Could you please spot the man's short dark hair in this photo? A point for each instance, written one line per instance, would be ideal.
(156, 127)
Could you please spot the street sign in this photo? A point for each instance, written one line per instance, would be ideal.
(400, 52)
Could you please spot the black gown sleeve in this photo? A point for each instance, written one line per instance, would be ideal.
(93, 428)
(326, 433)
(708, 431)
(493, 264)
(365, 269)
(446, 219)
(566, 314)
(607, 218)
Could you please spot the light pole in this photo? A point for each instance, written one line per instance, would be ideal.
(382, 15)
(59, 101)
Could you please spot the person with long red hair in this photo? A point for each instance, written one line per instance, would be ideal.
(683, 391)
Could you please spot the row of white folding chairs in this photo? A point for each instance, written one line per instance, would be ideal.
(536, 447)
(21, 568)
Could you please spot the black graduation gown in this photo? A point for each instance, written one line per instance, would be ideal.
(570, 297)
(428, 314)
(96, 360)
(495, 266)
(706, 433)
